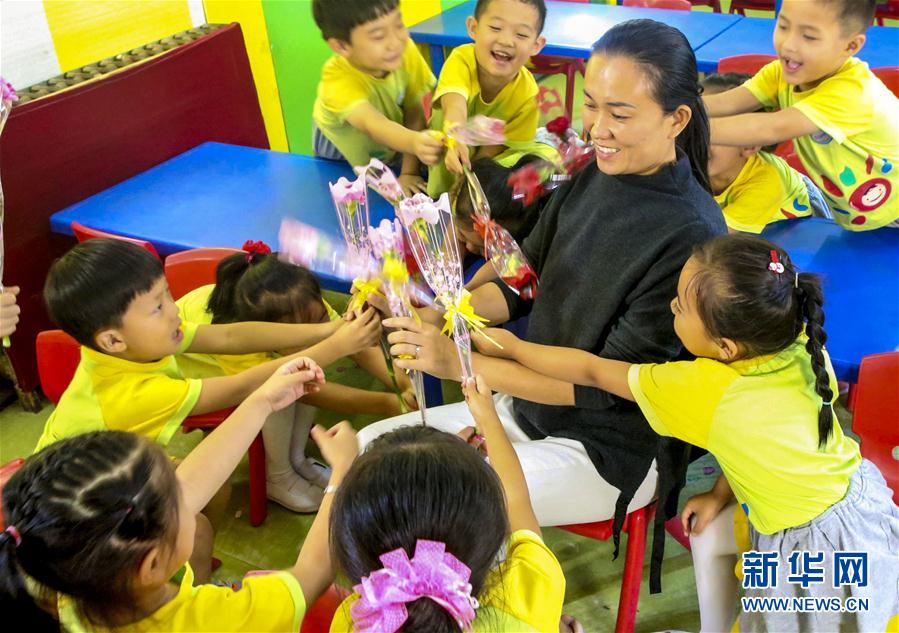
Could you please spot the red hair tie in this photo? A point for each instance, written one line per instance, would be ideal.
(255, 248)
(775, 266)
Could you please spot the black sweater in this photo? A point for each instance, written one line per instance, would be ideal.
(608, 251)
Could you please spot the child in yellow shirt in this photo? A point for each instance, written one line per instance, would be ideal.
(369, 102)
(98, 524)
(843, 121)
(112, 297)
(489, 77)
(753, 186)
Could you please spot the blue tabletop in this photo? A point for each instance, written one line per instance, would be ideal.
(572, 28)
(861, 285)
(218, 195)
(754, 35)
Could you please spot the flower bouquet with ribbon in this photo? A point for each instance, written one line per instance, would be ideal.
(7, 96)
(351, 203)
(500, 248)
(432, 237)
(537, 178)
(388, 247)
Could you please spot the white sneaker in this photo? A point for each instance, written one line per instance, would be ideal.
(313, 470)
(294, 493)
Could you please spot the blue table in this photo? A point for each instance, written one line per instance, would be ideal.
(572, 28)
(219, 195)
(860, 273)
(754, 35)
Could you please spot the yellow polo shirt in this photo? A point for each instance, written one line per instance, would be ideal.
(516, 104)
(759, 418)
(343, 87)
(112, 394)
(766, 190)
(269, 602)
(853, 156)
(524, 593)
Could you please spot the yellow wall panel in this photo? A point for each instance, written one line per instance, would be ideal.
(252, 22)
(414, 11)
(86, 31)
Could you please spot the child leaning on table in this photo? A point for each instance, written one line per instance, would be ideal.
(369, 102)
(489, 78)
(843, 121)
(478, 560)
(98, 524)
(753, 186)
(255, 285)
(112, 297)
(759, 398)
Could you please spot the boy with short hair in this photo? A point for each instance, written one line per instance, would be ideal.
(844, 122)
(753, 186)
(489, 77)
(369, 102)
(112, 297)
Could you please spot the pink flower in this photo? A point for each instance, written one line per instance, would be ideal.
(479, 130)
(380, 178)
(7, 92)
(422, 207)
(387, 237)
(345, 191)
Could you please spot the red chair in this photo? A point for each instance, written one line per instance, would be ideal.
(84, 233)
(677, 5)
(875, 418)
(318, 617)
(889, 10)
(568, 66)
(741, 6)
(749, 64)
(636, 525)
(889, 75)
(188, 270)
(58, 355)
(7, 470)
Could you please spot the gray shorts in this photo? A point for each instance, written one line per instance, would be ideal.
(865, 521)
(323, 147)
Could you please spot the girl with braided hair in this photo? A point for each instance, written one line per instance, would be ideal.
(758, 397)
(99, 523)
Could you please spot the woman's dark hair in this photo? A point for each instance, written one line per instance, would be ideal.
(670, 67)
(91, 286)
(87, 509)
(261, 287)
(419, 483)
(511, 214)
(739, 297)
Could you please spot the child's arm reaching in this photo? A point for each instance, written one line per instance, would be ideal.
(734, 101)
(258, 336)
(420, 143)
(760, 128)
(455, 110)
(410, 173)
(314, 568)
(226, 391)
(209, 465)
(502, 456)
(562, 363)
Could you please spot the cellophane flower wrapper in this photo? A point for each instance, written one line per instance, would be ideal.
(500, 248)
(7, 97)
(432, 238)
(351, 204)
(533, 180)
(478, 130)
(388, 247)
(307, 246)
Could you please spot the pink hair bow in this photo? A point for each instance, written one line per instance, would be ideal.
(432, 573)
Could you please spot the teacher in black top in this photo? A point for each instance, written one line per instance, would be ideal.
(608, 249)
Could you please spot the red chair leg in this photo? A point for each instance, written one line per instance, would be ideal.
(633, 572)
(570, 74)
(258, 496)
(674, 527)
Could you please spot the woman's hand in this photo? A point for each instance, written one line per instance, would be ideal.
(431, 352)
(290, 382)
(506, 339)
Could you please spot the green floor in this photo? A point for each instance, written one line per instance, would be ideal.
(593, 579)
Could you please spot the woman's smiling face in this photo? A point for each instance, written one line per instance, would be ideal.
(630, 130)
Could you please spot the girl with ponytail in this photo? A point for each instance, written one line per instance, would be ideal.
(759, 397)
